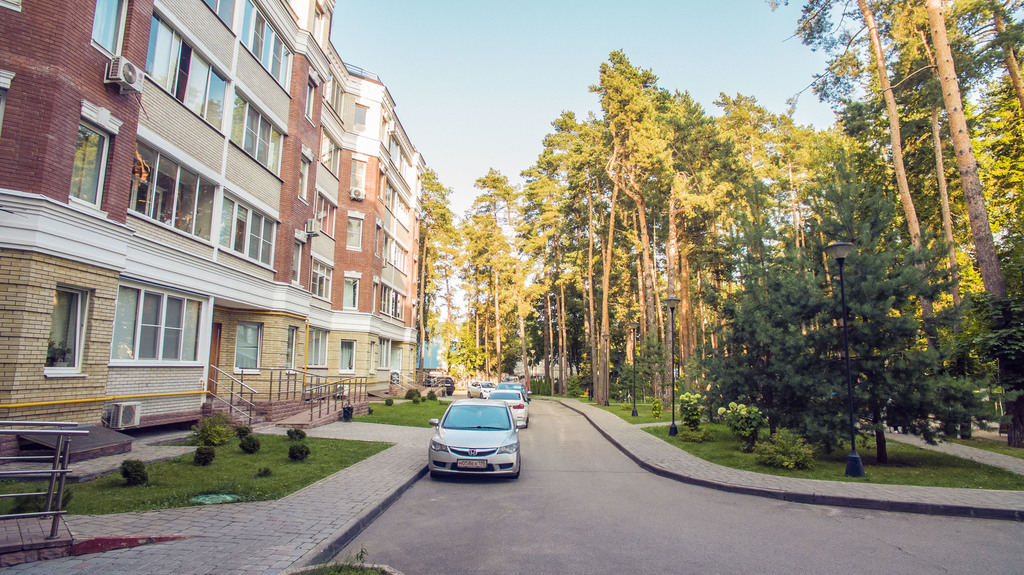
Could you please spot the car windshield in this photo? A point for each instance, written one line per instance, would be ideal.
(509, 385)
(506, 395)
(477, 417)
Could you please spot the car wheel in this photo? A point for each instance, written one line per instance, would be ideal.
(434, 474)
(527, 422)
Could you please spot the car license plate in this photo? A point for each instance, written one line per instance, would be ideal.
(472, 464)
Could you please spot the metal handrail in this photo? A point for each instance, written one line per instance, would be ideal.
(323, 396)
(243, 389)
(57, 473)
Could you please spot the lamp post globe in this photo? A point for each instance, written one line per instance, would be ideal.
(672, 302)
(839, 251)
(635, 326)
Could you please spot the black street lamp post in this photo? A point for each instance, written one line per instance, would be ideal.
(672, 302)
(839, 251)
(606, 384)
(636, 328)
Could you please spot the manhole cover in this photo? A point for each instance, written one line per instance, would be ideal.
(215, 498)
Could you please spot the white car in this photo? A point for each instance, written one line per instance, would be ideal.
(516, 402)
(475, 438)
(481, 389)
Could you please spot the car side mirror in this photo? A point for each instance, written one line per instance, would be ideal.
(433, 422)
(529, 393)
(520, 424)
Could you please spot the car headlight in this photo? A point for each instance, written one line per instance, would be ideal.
(510, 448)
(437, 446)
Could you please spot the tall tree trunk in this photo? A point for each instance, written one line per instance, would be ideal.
(947, 220)
(606, 272)
(592, 332)
(497, 321)
(547, 340)
(897, 147)
(563, 343)
(1011, 62)
(974, 194)
(522, 339)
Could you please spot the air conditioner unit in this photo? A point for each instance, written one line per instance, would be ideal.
(126, 415)
(127, 75)
(358, 194)
(312, 227)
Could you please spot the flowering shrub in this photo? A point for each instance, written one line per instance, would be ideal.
(690, 410)
(656, 408)
(745, 421)
(785, 449)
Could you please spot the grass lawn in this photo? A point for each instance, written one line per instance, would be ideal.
(908, 465)
(174, 482)
(643, 412)
(993, 445)
(408, 413)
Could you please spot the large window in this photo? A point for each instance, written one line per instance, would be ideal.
(265, 43)
(330, 153)
(108, 24)
(317, 348)
(360, 118)
(156, 326)
(358, 180)
(351, 300)
(347, 361)
(166, 192)
(321, 281)
(90, 164)
(225, 9)
(326, 212)
(175, 67)
(391, 302)
(67, 328)
(354, 239)
(247, 231)
(247, 345)
(289, 350)
(256, 135)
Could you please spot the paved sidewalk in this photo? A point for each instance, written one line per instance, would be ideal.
(663, 459)
(307, 527)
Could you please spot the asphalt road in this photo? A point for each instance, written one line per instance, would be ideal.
(581, 506)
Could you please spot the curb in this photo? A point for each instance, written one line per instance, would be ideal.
(101, 544)
(333, 545)
(812, 498)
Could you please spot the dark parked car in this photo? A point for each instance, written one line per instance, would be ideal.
(444, 381)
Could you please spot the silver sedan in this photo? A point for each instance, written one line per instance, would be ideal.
(477, 437)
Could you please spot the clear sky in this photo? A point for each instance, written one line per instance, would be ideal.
(477, 83)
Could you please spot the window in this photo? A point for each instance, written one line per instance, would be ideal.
(317, 348)
(310, 99)
(297, 262)
(264, 43)
(337, 97)
(242, 227)
(383, 353)
(67, 328)
(247, 345)
(164, 191)
(5, 84)
(325, 212)
(289, 350)
(351, 300)
(358, 181)
(303, 178)
(225, 9)
(396, 358)
(355, 234)
(90, 164)
(107, 24)
(156, 326)
(256, 135)
(395, 151)
(391, 302)
(175, 67)
(321, 281)
(378, 235)
(330, 153)
(360, 118)
(347, 361)
(318, 24)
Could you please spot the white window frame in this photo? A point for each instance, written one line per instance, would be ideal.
(384, 353)
(354, 291)
(318, 339)
(303, 178)
(129, 324)
(352, 356)
(239, 240)
(310, 99)
(263, 41)
(224, 9)
(185, 81)
(353, 239)
(320, 282)
(297, 263)
(326, 212)
(120, 13)
(256, 135)
(358, 178)
(100, 161)
(259, 347)
(74, 328)
(290, 343)
(188, 218)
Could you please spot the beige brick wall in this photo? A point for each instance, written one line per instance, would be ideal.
(233, 261)
(170, 118)
(249, 176)
(167, 237)
(203, 26)
(125, 381)
(258, 83)
(27, 281)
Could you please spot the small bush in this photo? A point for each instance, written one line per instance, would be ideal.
(690, 410)
(203, 455)
(389, 402)
(369, 410)
(134, 472)
(656, 408)
(693, 436)
(786, 450)
(412, 393)
(250, 444)
(745, 421)
(298, 452)
(296, 434)
(431, 396)
(213, 430)
(262, 472)
(242, 430)
(416, 400)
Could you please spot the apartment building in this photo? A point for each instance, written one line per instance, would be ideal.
(194, 194)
